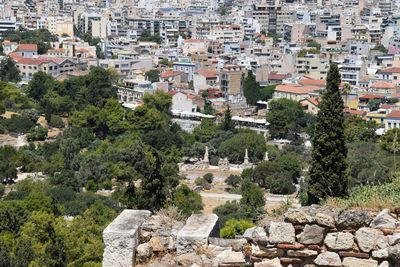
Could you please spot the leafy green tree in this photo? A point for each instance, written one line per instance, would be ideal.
(374, 104)
(230, 210)
(235, 147)
(286, 118)
(37, 133)
(380, 48)
(390, 140)
(251, 89)
(56, 121)
(228, 124)
(99, 86)
(357, 129)
(148, 37)
(208, 108)
(18, 124)
(5, 254)
(24, 253)
(328, 165)
(40, 84)
(153, 75)
(159, 100)
(2, 108)
(209, 177)
(233, 180)
(187, 201)
(314, 44)
(205, 131)
(252, 196)
(9, 71)
(268, 91)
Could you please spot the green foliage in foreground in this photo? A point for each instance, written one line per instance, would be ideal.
(371, 196)
(234, 227)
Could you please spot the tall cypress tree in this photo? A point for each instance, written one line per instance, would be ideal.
(228, 123)
(327, 172)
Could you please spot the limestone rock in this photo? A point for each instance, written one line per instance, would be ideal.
(302, 253)
(195, 234)
(328, 259)
(384, 220)
(369, 239)
(256, 234)
(265, 252)
(352, 262)
(339, 241)
(394, 253)
(229, 257)
(144, 252)
(280, 232)
(156, 245)
(353, 219)
(235, 244)
(269, 263)
(381, 253)
(384, 264)
(189, 259)
(312, 234)
(167, 260)
(394, 239)
(325, 220)
(297, 216)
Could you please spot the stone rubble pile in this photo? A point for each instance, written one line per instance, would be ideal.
(308, 236)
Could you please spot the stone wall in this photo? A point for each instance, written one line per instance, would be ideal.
(308, 236)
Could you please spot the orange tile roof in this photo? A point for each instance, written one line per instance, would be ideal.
(395, 114)
(170, 73)
(354, 112)
(321, 83)
(383, 85)
(208, 73)
(296, 89)
(28, 47)
(390, 70)
(371, 96)
(195, 41)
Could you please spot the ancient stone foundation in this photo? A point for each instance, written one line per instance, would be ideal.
(304, 237)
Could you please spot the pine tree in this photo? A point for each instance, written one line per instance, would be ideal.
(228, 124)
(251, 89)
(327, 172)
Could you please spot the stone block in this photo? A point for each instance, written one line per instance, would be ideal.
(195, 233)
(280, 232)
(327, 258)
(352, 262)
(339, 241)
(302, 253)
(269, 263)
(369, 239)
(312, 234)
(235, 244)
(354, 254)
(121, 238)
(384, 220)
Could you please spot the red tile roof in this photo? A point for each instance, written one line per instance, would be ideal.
(207, 73)
(170, 73)
(321, 83)
(383, 85)
(390, 70)
(371, 96)
(28, 47)
(354, 112)
(296, 89)
(276, 76)
(395, 114)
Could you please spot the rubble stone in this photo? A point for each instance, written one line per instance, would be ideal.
(339, 241)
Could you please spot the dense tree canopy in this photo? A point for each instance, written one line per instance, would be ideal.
(251, 89)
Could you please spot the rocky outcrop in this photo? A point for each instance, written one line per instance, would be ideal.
(308, 237)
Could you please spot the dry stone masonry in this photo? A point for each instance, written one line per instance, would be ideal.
(305, 237)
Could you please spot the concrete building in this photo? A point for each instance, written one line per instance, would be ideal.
(230, 78)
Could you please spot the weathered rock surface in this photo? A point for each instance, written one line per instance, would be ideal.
(339, 241)
(325, 220)
(328, 259)
(256, 234)
(369, 239)
(302, 253)
(121, 238)
(156, 245)
(312, 234)
(353, 219)
(195, 234)
(189, 259)
(353, 262)
(297, 216)
(394, 253)
(269, 263)
(266, 252)
(384, 220)
(230, 257)
(235, 244)
(381, 253)
(144, 252)
(280, 232)
(394, 239)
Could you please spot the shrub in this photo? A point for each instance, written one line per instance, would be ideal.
(19, 124)
(187, 201)
(233, 180)
(56, 121)
(38, 133)
(209, 177)
(235, 227)
(202, 182)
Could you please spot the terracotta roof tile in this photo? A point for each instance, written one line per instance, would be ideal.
(395, 114)
(296, 89)
(28, 47)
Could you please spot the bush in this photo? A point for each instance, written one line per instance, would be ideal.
(56, 121)
(234, 227)
(187, 201)
(209, 177)
(202, 182)
(2, 190)
(233, 180)
(18, 124)
(38, 133)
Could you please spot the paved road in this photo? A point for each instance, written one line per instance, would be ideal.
(221, 196)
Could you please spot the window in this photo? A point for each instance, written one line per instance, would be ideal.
(51, 68)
